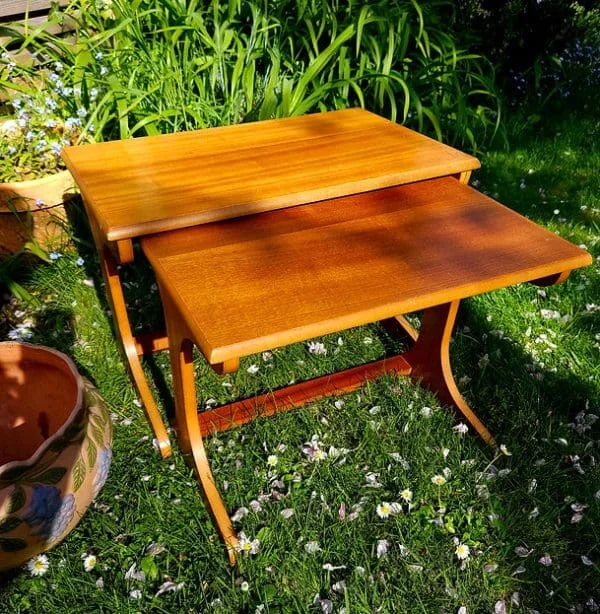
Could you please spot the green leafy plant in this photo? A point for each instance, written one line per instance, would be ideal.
(169, 65)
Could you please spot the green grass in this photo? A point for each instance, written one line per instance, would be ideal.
(529, 363)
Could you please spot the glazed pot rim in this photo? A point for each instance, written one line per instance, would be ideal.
(41, 450)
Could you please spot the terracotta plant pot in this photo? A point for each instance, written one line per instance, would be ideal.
(34, 210)
(55, 452)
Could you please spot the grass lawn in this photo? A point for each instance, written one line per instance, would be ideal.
(528, 361)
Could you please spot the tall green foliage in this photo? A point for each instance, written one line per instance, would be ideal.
(167, 65)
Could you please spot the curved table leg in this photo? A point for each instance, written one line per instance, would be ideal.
(123, 331)
(430, 362)
(188, 429)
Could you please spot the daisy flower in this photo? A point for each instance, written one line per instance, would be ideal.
(385, 509)
(247, 546)
(38, 566)
(89, 561)
(272, 460)
(438, 480)
(462, 552)
(407, 495)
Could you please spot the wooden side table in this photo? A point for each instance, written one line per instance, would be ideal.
(255, 283)
(155, 184)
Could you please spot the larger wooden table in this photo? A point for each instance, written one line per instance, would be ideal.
(391, 227)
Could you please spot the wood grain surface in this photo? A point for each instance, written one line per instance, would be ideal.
(152, 184)
(264, 281)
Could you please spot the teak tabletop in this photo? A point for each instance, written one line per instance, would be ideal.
(152, 184)
(260, 282)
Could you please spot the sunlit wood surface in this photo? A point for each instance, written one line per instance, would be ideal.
(264, 281)
(152, 184)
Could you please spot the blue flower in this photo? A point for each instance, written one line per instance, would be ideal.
(81, 112)
(54, 255)
(80, 261)
(104, 458)
(58, 67)
(44, 506)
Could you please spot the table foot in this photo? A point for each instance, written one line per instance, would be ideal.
(430, 362)
(130, 349)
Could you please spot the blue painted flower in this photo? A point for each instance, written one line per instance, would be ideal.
(44, 506)
(104, 458)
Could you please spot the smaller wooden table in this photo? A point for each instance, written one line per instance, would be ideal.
(243, 286)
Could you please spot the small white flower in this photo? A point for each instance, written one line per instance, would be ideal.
(546, 560)
(490, 567)
(339, 404)
(244, 586)
(367, 341)
(385, 509)
(500, 607)
(438, 480)
(272, 460)
(317, 348)
(89, 561)
(426, 411)
(288, 512)
(462, 610)
(461, 428)
(100, 582)
(136, 593)
(247, 546)
(462, 552)
(404, 551)
(38, 566)
(504, 450)
(252, 369)
(312, 547)
(339, 587)
(407, 495)
(382, 547)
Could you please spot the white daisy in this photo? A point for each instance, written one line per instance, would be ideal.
(407, 495)
(462, 552)
(89, 561)
(38, 566)
(385, 509)
(438, 480)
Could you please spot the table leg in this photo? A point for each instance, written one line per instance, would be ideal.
(429, 358)
(128, 343)
(188, 429)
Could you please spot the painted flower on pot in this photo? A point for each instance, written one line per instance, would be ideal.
(49, 513)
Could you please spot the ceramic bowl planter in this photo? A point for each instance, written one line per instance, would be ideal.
(55, 452)
(34, 210)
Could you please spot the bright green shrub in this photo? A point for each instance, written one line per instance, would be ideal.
(167, 65)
